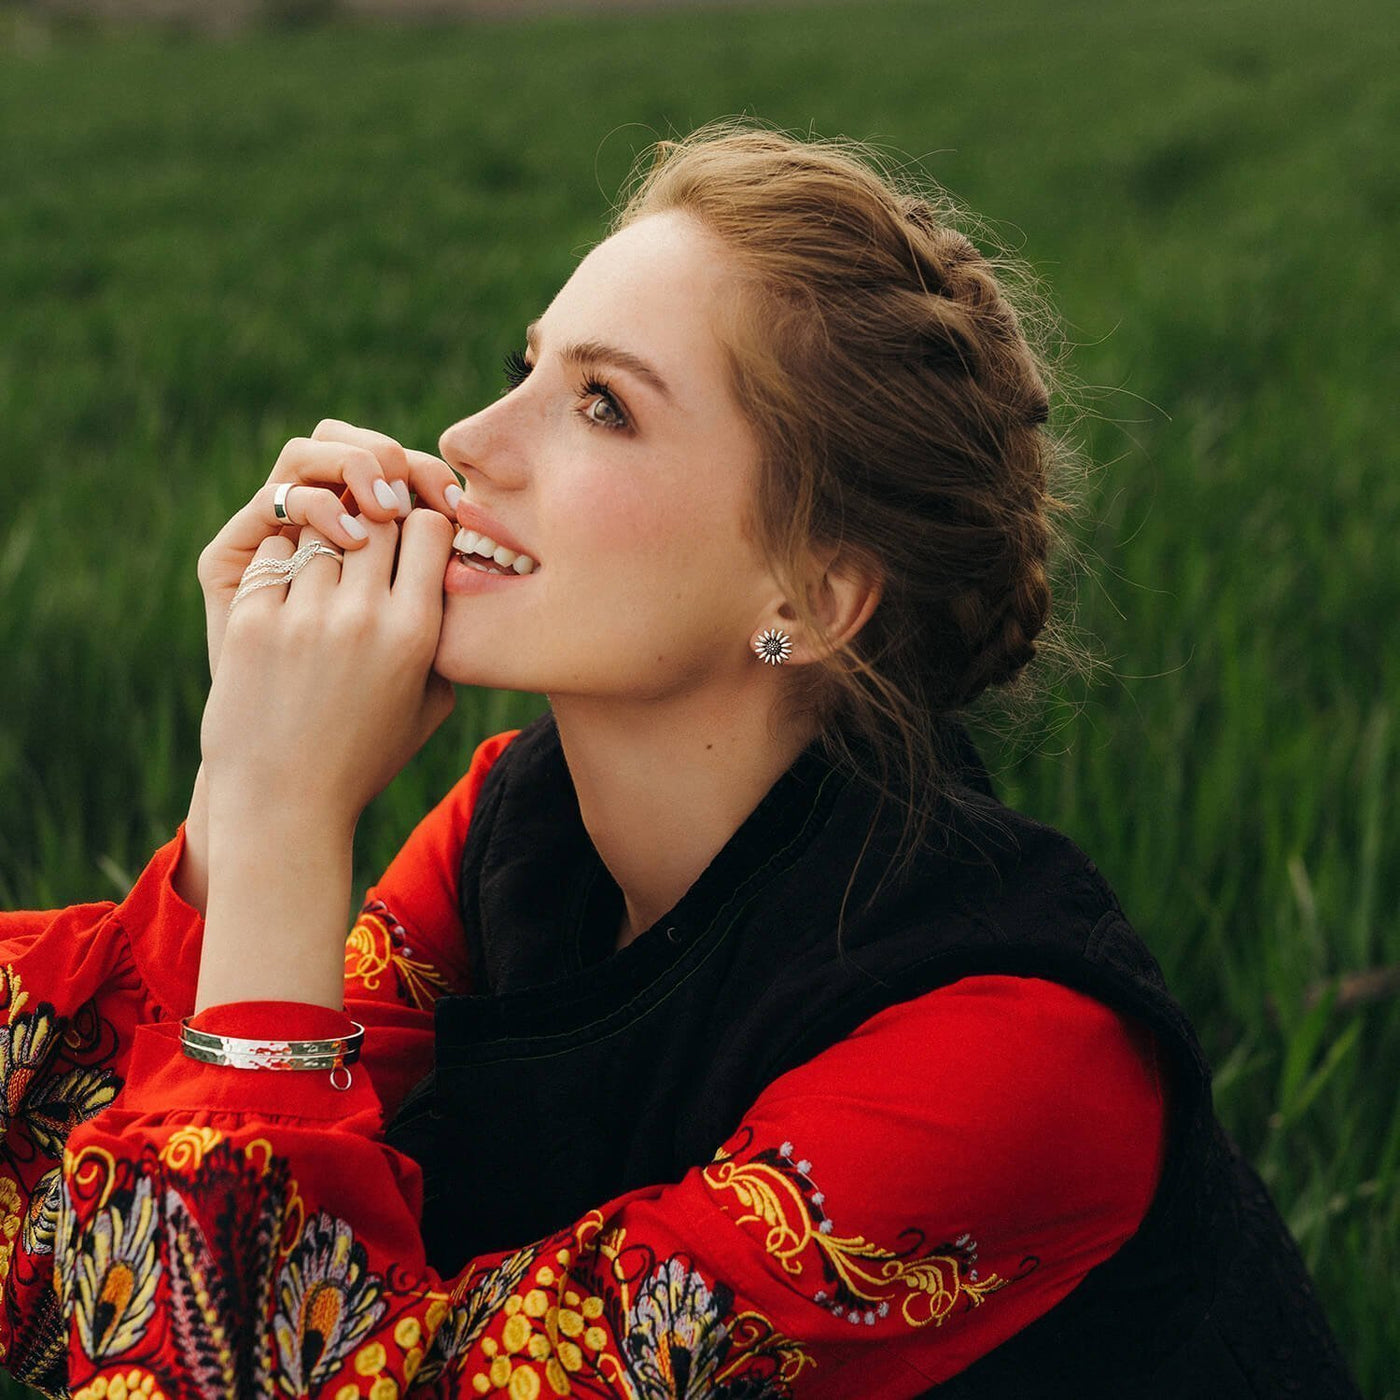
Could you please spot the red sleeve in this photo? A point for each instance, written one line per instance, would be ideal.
(884, 1215)
(76, 983)
(407, 947)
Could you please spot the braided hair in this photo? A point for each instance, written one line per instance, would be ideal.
(902, 415)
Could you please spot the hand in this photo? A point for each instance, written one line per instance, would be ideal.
(358, 460)
(355, 459)
(325, 688)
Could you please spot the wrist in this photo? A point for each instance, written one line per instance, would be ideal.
(238, 820)
(278, 908)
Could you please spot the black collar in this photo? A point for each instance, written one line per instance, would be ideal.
(539, 905)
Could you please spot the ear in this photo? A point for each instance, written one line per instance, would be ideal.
(842, 596)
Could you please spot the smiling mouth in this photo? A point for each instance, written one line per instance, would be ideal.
(482, 553)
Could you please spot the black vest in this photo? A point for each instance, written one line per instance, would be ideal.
(578, 1072)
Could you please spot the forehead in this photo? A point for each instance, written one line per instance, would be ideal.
(654, 288)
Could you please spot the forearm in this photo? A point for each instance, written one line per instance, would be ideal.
(191, 875)
(278, 909)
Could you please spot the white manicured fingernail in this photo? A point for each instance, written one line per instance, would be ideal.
(384, 494)
(405, 500)
(353, 528)
(452, 495)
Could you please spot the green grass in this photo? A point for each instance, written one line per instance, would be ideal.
(206, 247)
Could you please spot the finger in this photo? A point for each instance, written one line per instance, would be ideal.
(439, 478)
(428, 477)
(370, 488)
(425, 545)
(260, 589)
(221, 562)
(368, 571)
(317, 507)
(319, 573)
(274, 547)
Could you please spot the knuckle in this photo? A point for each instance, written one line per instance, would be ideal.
(321, 502)
(432, 522)
(328, 429)
(350, 624)
(394, 457)
(300, 627)
(359, 460)
(293, 447)
(243, 629)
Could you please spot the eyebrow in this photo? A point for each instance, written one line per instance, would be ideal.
(594, 352)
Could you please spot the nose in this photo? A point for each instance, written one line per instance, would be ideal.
(485, 446)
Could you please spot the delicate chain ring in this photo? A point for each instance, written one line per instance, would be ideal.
(270, 573)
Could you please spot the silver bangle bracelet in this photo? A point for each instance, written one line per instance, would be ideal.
(238, 1052)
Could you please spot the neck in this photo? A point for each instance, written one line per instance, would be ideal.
(661, 792)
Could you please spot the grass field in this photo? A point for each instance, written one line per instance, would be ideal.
(207, 247)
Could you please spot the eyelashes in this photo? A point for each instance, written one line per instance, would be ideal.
(516, 370)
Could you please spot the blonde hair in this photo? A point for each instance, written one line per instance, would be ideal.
(901, 412)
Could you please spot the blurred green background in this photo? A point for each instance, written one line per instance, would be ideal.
(208, 245)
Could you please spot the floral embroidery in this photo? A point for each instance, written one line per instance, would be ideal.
(861, 1277)
(476, 1299)
(26, 1043)
(228, 1235)
(677, 1339)
(59, 1104)
(206, 1250)
(115, 1275)
(220, 1268)
(47, 1083)
(378, 943)
(134, 1384)
(11, 1203)
(328, 1302)
(41, 1218)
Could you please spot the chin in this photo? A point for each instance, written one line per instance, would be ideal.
(467, 665)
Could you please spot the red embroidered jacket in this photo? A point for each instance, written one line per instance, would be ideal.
(883, 1215)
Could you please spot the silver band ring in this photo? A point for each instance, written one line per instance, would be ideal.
(279, 503)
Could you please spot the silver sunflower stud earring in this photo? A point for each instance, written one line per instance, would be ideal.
(773, 646)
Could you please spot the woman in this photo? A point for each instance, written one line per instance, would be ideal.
(722, 1034)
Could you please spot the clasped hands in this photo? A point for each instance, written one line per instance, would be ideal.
(323, 688)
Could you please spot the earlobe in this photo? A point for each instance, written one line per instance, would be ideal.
(843, 599)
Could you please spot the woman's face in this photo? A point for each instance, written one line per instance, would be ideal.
(622, 465)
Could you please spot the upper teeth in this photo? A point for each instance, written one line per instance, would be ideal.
(469, 542)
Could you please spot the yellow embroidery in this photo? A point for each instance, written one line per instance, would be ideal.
(125, 1385)
(370, 953)
(11, 1205)
(184, 1149)
(15, 996)
(751, 1332)
(772, 1194)
(85, 1167)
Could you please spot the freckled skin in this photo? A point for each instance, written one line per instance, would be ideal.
(647, 585)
